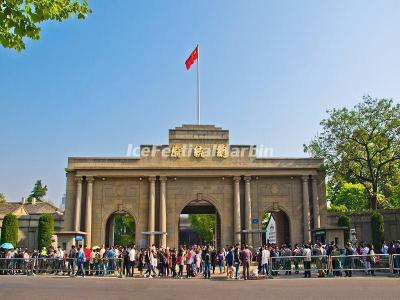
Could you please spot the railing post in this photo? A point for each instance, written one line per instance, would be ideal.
(330, 268)
(122, 268)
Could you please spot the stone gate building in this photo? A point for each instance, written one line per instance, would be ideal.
(197, 172)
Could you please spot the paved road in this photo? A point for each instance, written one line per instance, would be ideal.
(22, 287)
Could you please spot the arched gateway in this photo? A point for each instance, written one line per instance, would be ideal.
(197, 172)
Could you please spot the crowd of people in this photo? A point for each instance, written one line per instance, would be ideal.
(186, 262)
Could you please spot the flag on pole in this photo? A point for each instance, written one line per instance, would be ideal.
(193, 56)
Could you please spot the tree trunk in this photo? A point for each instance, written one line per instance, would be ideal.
(374, 201)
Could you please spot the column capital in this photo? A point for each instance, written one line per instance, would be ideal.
(152, 178)
(78, 179)
(314, 178)
(247, 178)
(304, 178)
(236, 178)
(163, 178)
(90, 179)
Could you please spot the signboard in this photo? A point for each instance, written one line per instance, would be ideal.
(255, 221)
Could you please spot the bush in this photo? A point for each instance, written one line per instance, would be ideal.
(377, 229)
(45, 231)
(344, 221)
(9, 230)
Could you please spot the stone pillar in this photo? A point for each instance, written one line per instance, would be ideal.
(163, 211)
(317, 218)
(247, 199)
(152, 208)
(306, 211)
(88, 217)
(78, 203)
(236, 210)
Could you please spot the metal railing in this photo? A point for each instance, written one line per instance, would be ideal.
(67, 267)
(296, 264)
(396, 263)
(365, 263)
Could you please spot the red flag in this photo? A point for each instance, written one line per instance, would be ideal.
(193, 56)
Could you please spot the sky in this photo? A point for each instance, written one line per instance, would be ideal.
(269, 70)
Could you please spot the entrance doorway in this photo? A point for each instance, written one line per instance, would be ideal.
(120, 230)
(199, 224)
(278, 228)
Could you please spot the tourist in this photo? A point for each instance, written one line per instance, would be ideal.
(207, 263)
(229, 262)
(246, 258)
(80, 261)
(213, 259)
(221, 258)
(265, 256)
(307, 261)
(180, 261)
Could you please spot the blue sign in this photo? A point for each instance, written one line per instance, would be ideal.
(255, 221)
(78, 238)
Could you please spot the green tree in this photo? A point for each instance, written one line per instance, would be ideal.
(344, 221)
(352, 196)
(124, 230)
(9, 229)
(394, 199)
(377, 229)
(20, 19)
(204, 225)
(45, 230)
(38, 191)
(360, 145)
(2, 198)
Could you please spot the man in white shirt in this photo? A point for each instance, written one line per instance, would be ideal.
(307, 261)
(132, 258)
(265, 255)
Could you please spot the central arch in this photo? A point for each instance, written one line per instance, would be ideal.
(120, 229)
(277, 223)
(199, 222)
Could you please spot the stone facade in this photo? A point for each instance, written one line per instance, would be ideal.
(154, 189)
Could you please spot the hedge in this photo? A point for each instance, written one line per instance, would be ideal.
(377, 229)
(45, 230)
(9, 230)
(344, 221)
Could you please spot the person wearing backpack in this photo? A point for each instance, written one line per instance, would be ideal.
(81, 260)
(207, 263)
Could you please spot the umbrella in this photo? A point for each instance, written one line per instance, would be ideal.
(7, 246)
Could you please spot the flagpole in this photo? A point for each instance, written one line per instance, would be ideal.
(198, 84)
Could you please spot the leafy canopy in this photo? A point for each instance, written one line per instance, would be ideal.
(21, 18)
(38, 191)
(361, 145)
(204, 225)
(3, 198)
(124, 230)
(352, 196)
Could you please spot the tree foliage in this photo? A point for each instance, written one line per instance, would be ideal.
(361, 145)
(124, 230)
(344, 221)
(350, 195)
(9, 229)
(377, 228)
(2, 198)
(38, 192)
(204, 225)
(20, 19)
(45, 230)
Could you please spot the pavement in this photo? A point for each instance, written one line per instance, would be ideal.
(53, 287)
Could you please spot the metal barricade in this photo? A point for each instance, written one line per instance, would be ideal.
(364, 263)
(15, 266)
(67, 267)
(296, 264)
(396, 263)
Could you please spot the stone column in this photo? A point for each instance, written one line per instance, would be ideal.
(152, 208)
(236, 210)
(317, 218)
(88, 217)
(77, 220)
(306, 211)
(163, 211)
(247, 199)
